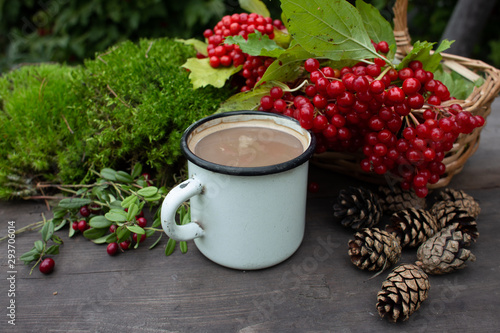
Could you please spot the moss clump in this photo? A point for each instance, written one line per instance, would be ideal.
(129, 104)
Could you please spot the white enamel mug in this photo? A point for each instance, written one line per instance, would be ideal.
(242, 217)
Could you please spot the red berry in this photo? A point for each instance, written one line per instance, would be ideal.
(276, 92)
(74, 225)
(396, 95)
(85, 211)
(313, 187)
(214, 61)
(112, 228)
(82, 225)
(311, 65)
(112, 249)
(136, 237)
(47, 266)
(383, 46)
(142, 222)
(125, 244)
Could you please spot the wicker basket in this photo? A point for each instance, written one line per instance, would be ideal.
(478, 103)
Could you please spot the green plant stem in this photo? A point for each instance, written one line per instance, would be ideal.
(29, 227)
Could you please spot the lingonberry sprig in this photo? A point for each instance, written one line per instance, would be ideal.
(109, 211)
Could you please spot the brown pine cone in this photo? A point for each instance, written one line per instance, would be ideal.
(394, 199)
(357, 208)
(445, 252)
(460, 199)
(404, 290)
(374, 249)
(448, 213)
(412, 226)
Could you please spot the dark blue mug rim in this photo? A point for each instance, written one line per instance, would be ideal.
(245, 171)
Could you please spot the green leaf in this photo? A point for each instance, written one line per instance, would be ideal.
(39, 246)
(54, 249)
(111, 238)
(60, 212)
(47, 230)
(247, 100)
(155, 197)
(71, 231)
(378, 28)
(255, 6)
(183, 246)
(29, 256)
(148, 191)
(202, 74)
(422, 51)
(94, 233)
(100, 221)
(288, 66)
(133, 210)
(136, 172)
(56, 239)
(108, 174)
(198, 45)
(116, 215)
(156, 222)
(459, 87)
(256, 45)
(131, 199)
(101, 240)
(331, 29)
(124, 177)
(134, 228)
(60, 225)
(169, 249)
(156, 241)
(71, 203)
(116, 204)
(122, 233)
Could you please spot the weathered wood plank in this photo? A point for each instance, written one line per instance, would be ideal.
(316, 290)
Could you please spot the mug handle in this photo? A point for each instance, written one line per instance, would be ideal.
(174, 199)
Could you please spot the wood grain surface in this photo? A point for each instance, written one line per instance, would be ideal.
(318, 289)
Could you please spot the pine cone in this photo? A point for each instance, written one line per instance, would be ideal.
(374, 249)
(460, 199)
(447, 213)
(405, 288)
(357, 208)
(445, 252)
(412, 226)
(394, 199)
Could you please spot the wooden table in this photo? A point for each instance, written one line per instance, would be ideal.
(317, 290)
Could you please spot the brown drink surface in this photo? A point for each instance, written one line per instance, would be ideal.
(248, 147)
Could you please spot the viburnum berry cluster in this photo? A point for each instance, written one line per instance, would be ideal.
(225, 55)
(394, 117)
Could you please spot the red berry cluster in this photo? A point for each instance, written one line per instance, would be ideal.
(221, 54)
(369, 107)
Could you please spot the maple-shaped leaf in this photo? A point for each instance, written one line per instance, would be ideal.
(202, 74)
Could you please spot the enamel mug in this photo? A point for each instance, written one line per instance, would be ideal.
(242, 217)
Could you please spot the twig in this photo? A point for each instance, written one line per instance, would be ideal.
(149, 48)
(40, 90)
(29, 227)
(111, 90)
(67, 124)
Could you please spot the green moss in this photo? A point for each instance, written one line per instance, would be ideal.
(129, 104)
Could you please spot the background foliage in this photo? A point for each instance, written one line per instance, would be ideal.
(71, 31)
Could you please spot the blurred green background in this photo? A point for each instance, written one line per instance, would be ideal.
(69, 31)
